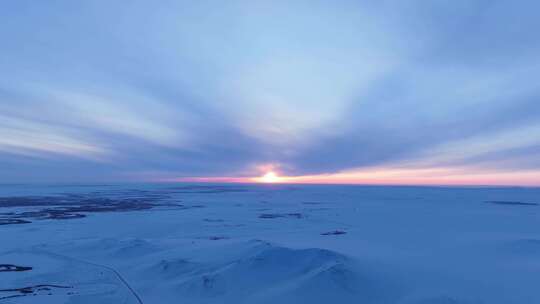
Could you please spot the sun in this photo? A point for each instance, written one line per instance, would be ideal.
(270, 177)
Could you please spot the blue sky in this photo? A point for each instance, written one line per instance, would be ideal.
(143, 90)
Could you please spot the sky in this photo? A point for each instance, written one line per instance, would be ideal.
(369, 92)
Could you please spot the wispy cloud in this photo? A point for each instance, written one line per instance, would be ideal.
(28, 138)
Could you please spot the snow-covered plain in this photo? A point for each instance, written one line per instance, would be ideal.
(211, 243)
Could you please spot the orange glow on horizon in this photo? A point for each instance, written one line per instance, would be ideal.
(384, 176)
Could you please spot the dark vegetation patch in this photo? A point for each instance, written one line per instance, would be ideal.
(193, 206)
(217, 238)
(512, 203)
(213, 237)
(10, 221)
(30, 291)
(76, 210)
(65, 206)
(13, 268)
(335, 232)
(76, 206)
(281, 215)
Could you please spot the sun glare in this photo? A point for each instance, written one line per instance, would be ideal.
(270, 177)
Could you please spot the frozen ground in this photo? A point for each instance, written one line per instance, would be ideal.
(268, 244)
